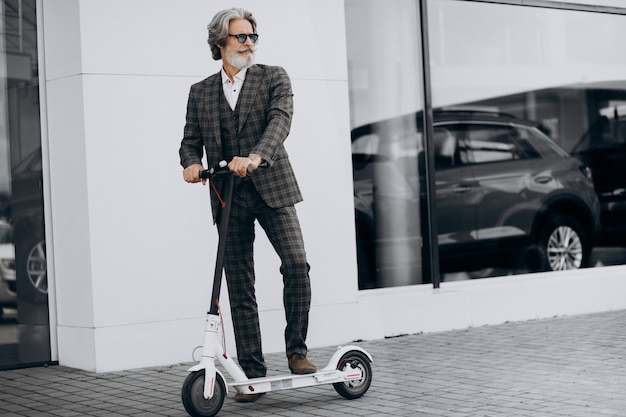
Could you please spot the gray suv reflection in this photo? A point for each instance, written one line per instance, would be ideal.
(507, 195)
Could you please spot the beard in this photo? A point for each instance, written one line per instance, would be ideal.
(239, 60)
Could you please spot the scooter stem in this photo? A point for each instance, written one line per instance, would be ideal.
(221, 245)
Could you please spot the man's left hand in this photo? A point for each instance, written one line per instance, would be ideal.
(239, 165)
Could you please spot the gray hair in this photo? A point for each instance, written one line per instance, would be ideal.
(218, 28)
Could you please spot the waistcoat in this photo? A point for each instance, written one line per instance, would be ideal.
(229, 122)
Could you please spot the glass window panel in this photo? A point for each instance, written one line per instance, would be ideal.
(560, 74)
(24, 327)
(605, 3)
(383, 45)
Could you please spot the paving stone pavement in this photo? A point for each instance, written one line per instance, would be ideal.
(564, 366)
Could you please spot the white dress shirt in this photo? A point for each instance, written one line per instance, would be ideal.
(231, 90)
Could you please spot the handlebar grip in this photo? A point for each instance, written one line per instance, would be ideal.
(250, 170)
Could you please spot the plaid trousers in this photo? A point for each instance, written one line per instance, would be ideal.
(283, 230)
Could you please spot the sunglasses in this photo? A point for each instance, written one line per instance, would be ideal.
(241, 38)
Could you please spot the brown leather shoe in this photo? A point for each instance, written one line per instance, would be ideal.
(246, 398)
(299, 364)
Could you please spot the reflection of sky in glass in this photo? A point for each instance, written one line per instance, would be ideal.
(480, 50)
(5, 172)
(384, 59)
(5, 164)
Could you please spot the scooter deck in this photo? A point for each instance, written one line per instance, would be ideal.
(288, 381)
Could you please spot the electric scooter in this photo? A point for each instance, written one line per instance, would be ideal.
(205, 388)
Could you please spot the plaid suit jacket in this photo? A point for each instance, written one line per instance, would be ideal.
(265, 111)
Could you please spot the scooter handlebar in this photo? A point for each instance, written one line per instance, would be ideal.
(222, 168)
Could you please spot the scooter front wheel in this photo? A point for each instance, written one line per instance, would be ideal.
(354, 362)
(193, 395)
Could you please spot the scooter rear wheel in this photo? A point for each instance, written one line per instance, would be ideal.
(193, 395)
(357, 361)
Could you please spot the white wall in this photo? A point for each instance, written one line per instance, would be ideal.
(133, 244)
(462, 304)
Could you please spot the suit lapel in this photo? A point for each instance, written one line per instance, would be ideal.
(248, 93)
(214, 88)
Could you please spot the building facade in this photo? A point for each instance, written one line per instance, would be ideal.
(113, 252)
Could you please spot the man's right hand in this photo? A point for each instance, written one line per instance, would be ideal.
(191, 174)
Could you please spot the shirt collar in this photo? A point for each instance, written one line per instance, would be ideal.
(240, 76)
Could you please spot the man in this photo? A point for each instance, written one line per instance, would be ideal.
(242, 115)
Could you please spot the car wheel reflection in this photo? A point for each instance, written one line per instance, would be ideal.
(32, 272)
(563, 246)
(564, 249)
(36, 268)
